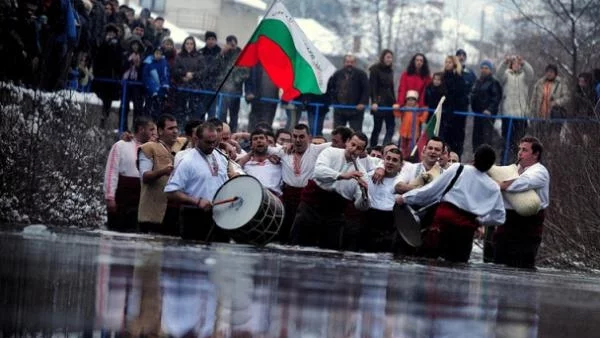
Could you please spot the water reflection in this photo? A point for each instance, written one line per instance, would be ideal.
(104, 287)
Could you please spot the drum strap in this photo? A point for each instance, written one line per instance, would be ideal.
(458, 172)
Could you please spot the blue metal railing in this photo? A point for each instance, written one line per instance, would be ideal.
(319, 106)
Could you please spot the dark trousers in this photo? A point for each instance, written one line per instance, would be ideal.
(353, 221)
(453, 131)
(169, 225)
(315, 121)
(378, 233)
(516, 243)
(317, 227)
(127, 198)
(134, 94)
(197, 224)
(483, 131)
(261, 112)
(519, 127)
(187, 106)
(354, 118)
(291, 201)
(451, 234)
(378, 119)
(231, 105)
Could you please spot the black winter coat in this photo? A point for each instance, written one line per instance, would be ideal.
(358, 90)
(486, 95)
(381, 84)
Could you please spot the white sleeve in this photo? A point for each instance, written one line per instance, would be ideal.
(146, 164)
(535, 178)
(111, 175)
(431, 192)
(277, 151)
(497, 216)
(320, 147)
(178, 179)
(323, 171)
(406, 172)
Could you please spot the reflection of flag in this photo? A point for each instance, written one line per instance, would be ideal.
(289, 58)
(432, 128)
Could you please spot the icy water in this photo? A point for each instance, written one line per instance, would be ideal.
(101, 284)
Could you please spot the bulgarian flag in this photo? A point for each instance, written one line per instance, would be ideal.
(432, 128)
(288, 57)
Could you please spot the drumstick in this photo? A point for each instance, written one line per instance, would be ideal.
(228, 200)
(363, 190)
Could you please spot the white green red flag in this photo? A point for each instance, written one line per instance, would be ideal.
(432, 128)
(292, 62)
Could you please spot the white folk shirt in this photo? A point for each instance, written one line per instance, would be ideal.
(267, 172)
(180, 154)
(330, 164)
(410, 171)
(474, 192)
(194, 175)
(535, 177)
(382, 196)
(307, 161)
(121, 161)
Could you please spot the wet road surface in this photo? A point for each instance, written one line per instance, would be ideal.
(101, 284)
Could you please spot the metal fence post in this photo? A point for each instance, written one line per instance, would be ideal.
(124, 106)
(315, 121)
(218, 107)
(507, 141)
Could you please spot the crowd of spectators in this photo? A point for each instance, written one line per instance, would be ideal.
(94, 45)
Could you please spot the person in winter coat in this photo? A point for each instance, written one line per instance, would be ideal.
(514, 75)
(349, 86)
(188, 73)
(381, 85)
(156, 81)
(485, 99)
(211, 53)
(416, 77)
(107, 66)
(258, 86)
(550, 95)
(233, 86)
(133, 73)
(434, 92)
(468, 75)
(584, 98)
(452, 127)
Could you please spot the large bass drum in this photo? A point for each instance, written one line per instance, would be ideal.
(256, 214)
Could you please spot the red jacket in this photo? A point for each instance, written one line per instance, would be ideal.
(412, 82)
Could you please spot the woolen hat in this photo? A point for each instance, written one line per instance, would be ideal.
(461, 52)
(486, 63)
(412, 94)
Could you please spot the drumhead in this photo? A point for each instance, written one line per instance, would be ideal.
(234, 215)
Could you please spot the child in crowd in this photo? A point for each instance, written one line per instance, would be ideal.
(410, 129)
(434, 92)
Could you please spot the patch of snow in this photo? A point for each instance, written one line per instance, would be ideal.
(38, 230)
(258, 4)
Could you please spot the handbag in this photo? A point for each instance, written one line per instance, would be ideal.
(425, 214)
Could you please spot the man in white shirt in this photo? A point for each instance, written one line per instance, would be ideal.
(378, 232)
(194, 184)
(474, 200)
(516, 242)
(430, 156)
(122, 178)
(297, 167)
(260, 165)
(320, 215)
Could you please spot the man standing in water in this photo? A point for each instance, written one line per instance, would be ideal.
(122, 178)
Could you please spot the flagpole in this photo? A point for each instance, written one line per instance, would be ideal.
(214, 97)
